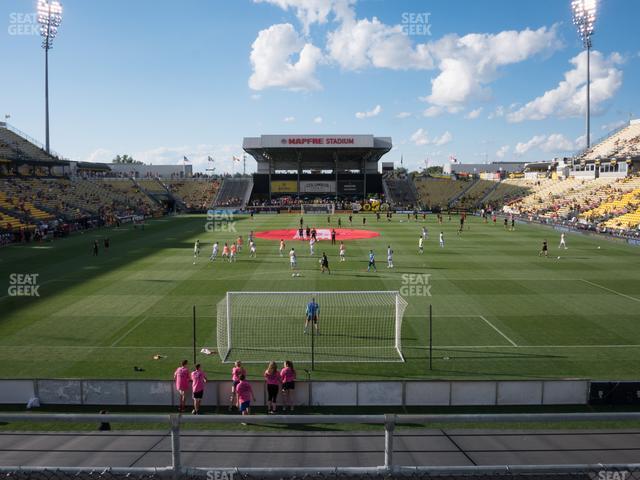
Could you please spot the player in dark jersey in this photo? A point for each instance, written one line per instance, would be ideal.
(545, 249)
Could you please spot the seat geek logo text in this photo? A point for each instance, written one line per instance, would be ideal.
(23, 285)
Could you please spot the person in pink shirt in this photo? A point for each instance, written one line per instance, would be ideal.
(288, 379)
(198, 379)
(272, 378)
(236, 371)
(245, 396)
(181, 377)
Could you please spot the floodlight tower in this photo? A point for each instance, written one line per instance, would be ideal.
(49, 18)
(584, 18)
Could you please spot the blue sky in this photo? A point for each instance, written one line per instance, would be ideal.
(495, 80)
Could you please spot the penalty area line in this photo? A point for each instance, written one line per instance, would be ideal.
(126, 334)
(499, 331)
(610, 290)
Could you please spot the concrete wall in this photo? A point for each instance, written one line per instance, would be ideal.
(338, 393)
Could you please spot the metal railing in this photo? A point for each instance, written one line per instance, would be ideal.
(387, 469)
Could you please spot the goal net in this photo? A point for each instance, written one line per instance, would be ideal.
(353, 326)
(310, 208)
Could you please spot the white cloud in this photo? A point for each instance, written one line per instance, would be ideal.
(371, 113)
(568, 99)
(403, 115)
(100, 155)
(608, 127)
(420, 138)
(317, 119)
(289, 119)
(502, 151)
(555, 142)
(272, 59)
(433, 111)
(473, 114)
(444, 139)
(309, 12)
(497, 113)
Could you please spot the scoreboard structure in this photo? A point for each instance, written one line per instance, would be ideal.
(340, 166)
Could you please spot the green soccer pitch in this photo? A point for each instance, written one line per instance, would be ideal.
(499, 310)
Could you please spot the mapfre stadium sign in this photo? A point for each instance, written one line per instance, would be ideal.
(317, 141)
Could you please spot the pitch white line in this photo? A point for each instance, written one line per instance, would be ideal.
(129, 331)
(441, 347)
(610, 290)
(499, 331)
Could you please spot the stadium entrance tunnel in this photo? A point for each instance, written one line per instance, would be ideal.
(321, 234)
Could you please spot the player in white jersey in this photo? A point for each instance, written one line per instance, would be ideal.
(214, 252)
(292, 259)
(252, 249)
(420, 245)
(282, 247)
(441, 240)
(389, 257)
(342, 252)
(196, 251)
(562, 242)
(312, 244)
(425, 233)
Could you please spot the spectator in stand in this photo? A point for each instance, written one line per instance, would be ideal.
(245, 396)
(198, 380)
(181, 378)
(288, 379)
(272, 379)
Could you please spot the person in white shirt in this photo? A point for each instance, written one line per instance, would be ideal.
(342, 252)
(214, 252)
(562, 242)
(441, 240)
(421, 245)
(389, 257)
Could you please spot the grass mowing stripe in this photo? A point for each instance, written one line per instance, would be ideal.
(126, 334)
(499, 331)
(610, 290)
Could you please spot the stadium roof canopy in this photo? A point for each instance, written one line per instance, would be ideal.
(317, 152)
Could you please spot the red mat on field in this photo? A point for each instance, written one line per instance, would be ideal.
(321, 234)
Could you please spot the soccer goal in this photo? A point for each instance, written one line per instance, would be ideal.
(321, 208)
(353, 327)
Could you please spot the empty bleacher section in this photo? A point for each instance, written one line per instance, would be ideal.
(400, 191)
(196, 193)
(234, 192)
(624, 143)
(436, 193)
(507, 191)
(473, 197)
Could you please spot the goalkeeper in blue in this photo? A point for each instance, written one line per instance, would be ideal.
(312, 315)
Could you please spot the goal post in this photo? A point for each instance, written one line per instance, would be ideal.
(353, 326)
(317, 208)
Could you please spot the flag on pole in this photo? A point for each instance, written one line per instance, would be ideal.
(236, 159)
(185, 159)
(453, 159)
(401, 161)
(210, 159)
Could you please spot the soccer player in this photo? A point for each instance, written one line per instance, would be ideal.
(389, 257)
(339, 222)
(181, 377)
(225, 251)
(301, 233)
(233, 252)
(292, 259)
(252, 249)
(333, 236)
(350, 220)
(324, 263)
(312, 315)
(95, 248)
(196, 251)
(562, 242)
(461, 224)
(236, 372)
(314, 234)
(364, 220)
(214, 252)
(342, 252)
(420, 245)
(545, 249)
(240, 243)
(301, 221)
(372, 262)
(308, 232)
(282, 247)
(312, 243)
(506, 227)
(288, 379)
(441, 240)
(513, 224)
(425, 233)
(245, 395)
(106, 244)
(198, 379)
(272, 379)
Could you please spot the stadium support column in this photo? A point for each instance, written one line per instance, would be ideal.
(335, 169)
(299, 167)
(269, 179)
(364, 179)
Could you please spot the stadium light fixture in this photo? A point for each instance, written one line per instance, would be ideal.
(49, 18)
(584, 18)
